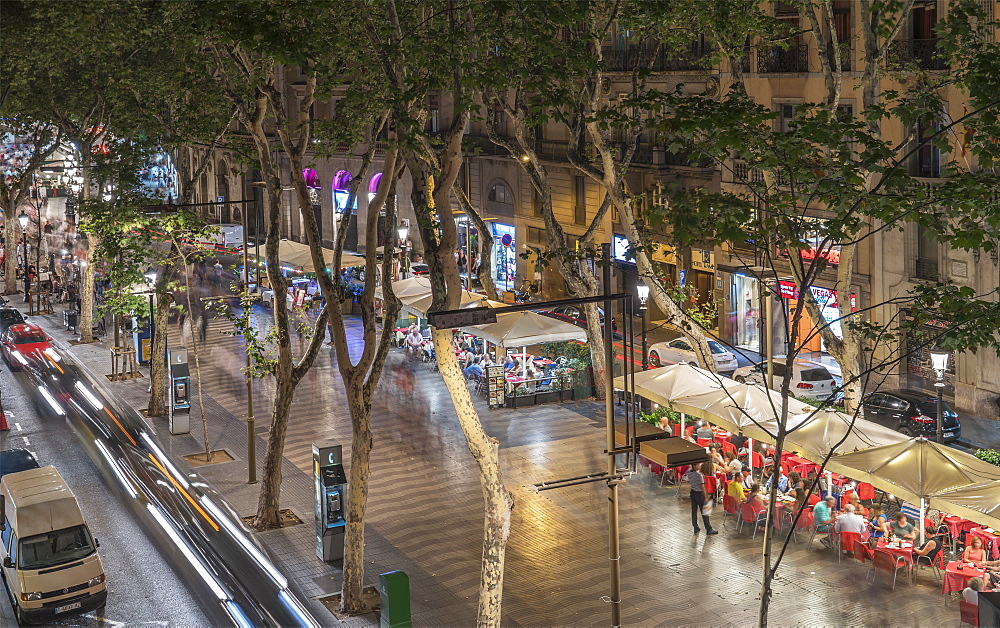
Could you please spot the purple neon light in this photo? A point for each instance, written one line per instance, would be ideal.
(373, 184)
(341, 180)
(312, 179)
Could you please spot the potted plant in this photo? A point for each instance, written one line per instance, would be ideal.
(350, 291)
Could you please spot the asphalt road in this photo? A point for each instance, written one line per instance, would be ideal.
(143, 589)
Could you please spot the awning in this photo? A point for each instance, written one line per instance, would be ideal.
(296, 255)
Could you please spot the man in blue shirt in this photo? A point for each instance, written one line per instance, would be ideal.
(823, 518)
(473, 370)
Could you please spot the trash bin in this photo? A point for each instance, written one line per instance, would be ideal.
(394, 594)
(71, 319)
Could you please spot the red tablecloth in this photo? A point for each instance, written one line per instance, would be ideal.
(990, 541)
(723, 436)
(782, 512)
(955, 579)
(958, 525)
(906, 551)
(800, 465)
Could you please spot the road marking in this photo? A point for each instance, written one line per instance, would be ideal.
(26, 441)
(18, 426)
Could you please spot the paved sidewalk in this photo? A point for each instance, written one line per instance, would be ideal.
(425, 513)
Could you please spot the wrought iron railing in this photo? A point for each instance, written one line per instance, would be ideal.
(776, 59)
(692, 57)
(846, 55)
(924, 53)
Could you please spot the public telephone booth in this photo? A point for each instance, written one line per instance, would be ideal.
(330, 500)
(180, 391)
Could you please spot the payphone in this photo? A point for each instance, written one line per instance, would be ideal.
(331, 500)
(180, 391)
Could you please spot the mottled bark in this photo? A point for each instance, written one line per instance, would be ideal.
(499, 501)
(87, 290)
(157, 405)
(11, 235)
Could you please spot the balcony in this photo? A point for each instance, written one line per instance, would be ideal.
(920, 52)
(926, 269)
(776, 60)
(846, 57)
(690, 58)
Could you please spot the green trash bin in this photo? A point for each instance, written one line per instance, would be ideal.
(394, 594)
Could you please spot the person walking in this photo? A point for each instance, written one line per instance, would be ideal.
(29, 276)
(696, 479)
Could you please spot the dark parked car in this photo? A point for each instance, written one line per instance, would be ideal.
(912, 412)
(16, 460)
(9, 316)
(575, 314)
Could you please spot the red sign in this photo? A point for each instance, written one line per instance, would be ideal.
(823, 296)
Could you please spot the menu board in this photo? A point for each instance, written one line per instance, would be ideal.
(495, 385)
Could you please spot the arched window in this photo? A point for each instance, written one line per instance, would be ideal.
(342, 192)
(500, 201)
(312, 179)
(222, 190)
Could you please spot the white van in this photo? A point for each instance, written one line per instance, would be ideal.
(50, 561)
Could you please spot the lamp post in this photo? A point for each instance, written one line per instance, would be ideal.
(251, 422)
(939, 360)
(23, 220)
(642, 291)
(403, 231)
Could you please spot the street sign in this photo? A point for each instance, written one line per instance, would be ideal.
(681, 276)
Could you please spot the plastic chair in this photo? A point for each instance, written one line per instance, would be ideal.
(862, 553)
(729, 507)
(748, 515)
(866, 492)
(758, 460)
(847, 540)
(704, 442)
(935, 559)
(969, 613)
(889, 563)
(727, 446)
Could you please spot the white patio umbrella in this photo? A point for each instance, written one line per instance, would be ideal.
(297, 255)
(978, 502)
(407, 287)
(520, 329)
(419, 304)
(916, 470)
(814, 433)
(667, 384)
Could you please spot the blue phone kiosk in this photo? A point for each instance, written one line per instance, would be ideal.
(331, 500)
(180, 391)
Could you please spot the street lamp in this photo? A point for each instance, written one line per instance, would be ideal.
(403, 231)
(642, 291)
(23, 219)
(939, 360)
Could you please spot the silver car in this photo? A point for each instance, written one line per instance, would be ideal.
(680, 350)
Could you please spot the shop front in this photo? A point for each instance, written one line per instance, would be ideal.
(807, 334)
(504, 256)
(744, 314)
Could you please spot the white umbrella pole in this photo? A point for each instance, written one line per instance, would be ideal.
(920, 524)
(682, 425)
(829, 486)
(524, 362)
(750, 456)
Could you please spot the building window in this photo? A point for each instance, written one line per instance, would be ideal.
(580, 201)
(536, 235)
(787, 116)
(499, 201)
(927, 160)
(927, 255)
(536, 200)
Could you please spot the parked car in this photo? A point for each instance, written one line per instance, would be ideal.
(419, 270)
(16, 460)
(810, 380)
(912, 412)
(681, 350)
(9, 316)
(21, 340)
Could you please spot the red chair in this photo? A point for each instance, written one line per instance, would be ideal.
(813, 499)
(889, 563)
(969, 613)
(847, 540)
(688, 431)
(729, 507)
(675, 429)
(727, 446)
(710, 485)
(748, 515)
(704, 442)
(806, 522)
(758, 460)
(862, 553)
(866, 492)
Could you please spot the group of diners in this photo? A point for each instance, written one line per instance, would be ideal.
(842, 513)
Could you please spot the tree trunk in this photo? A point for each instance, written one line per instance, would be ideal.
(268, 503)
(10, 264)
(357, 499)
(595, 331)
(87, 293)
(499, 501)
(157, 405)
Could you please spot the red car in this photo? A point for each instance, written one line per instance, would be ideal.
(20, 341)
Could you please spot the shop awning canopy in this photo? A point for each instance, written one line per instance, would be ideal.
(296, 255)
(520, 329)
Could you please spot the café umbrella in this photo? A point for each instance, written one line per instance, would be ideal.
(915, 470)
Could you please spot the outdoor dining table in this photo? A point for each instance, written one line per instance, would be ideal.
(800, 465)
(784, 505)
(990, 541)
(904, 549)
(723, 436)
(957, 575)
(958, 525)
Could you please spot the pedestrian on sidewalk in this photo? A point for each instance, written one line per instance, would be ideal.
(696, 479)
(28, 278)
(203, 326)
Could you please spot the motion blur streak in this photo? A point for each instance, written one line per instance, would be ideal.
(223, 564)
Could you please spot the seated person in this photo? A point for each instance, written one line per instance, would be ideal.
(733, 466)
(754, 499)
(782, 479)
(794, 482)
(414, 341)
(735, 490)
(879, 524)
(933, 544)
(974, 552)
(746, 479)
(487, 360)
(902, 528)
(705, 431)
(971, 593)
(851, 521)
(508, 363)
(738, 441)
(428, 350)
(823, 518)
(474, 370)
